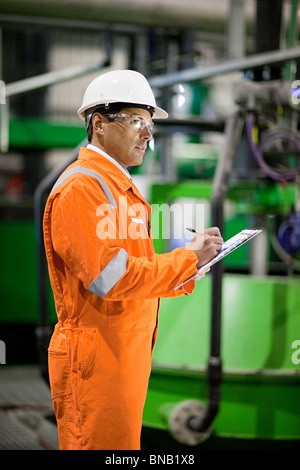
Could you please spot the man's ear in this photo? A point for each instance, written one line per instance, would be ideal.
(97, 120)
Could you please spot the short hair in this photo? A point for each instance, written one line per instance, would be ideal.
(104, 110)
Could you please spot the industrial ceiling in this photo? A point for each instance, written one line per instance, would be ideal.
(200, 14)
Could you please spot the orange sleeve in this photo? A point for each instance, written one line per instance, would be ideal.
(108, 267)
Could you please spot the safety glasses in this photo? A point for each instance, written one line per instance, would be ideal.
(138, 123)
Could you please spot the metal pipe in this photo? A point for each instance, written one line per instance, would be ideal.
(51, 78)
(195, 73)
(233, 130)
(155, 14)
(200, 73)
(235, 30)
(41, 22)
(292, 37)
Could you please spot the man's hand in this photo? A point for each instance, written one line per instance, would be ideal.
(201, 275)
(206, 245)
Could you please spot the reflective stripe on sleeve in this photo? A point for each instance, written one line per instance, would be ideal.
(110, 275)
(93, 174)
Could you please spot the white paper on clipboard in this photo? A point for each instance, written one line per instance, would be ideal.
(228, 247)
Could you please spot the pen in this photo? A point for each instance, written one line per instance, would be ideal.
(192, 230)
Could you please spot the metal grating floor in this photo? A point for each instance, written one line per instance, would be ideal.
(26, 413)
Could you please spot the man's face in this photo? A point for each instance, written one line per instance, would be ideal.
(120, 140)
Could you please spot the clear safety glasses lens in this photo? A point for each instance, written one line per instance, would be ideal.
(138, 123)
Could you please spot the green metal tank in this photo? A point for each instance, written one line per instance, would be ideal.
(260, 351)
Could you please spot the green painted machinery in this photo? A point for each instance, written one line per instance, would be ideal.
(258, 392)
(261, 372)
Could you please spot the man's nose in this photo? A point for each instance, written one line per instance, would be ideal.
(146, 134)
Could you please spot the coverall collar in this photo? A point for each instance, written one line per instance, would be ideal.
(104, 162)
(104, 154)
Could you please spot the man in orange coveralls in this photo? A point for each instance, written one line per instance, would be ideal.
(106, 278)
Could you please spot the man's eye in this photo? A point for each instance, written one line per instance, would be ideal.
(136, 122)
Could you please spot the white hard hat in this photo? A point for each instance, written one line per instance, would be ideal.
(120, 86)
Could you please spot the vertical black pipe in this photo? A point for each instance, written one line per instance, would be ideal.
(267, 36)
(214, 367)
(220, 186)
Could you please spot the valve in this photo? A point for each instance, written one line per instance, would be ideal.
(178, 417)
(289, 234)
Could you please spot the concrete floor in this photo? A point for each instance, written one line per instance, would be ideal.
(26, 413)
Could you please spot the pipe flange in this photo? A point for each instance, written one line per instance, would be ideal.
(179, 419)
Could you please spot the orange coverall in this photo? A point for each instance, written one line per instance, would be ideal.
(106, 292)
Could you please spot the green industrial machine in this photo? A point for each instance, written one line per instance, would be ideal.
(225, 367)
(259, 398)
(260, 322)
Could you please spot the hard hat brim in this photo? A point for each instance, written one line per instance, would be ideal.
(159, 113)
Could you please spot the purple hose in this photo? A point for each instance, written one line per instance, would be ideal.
(257, 151)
